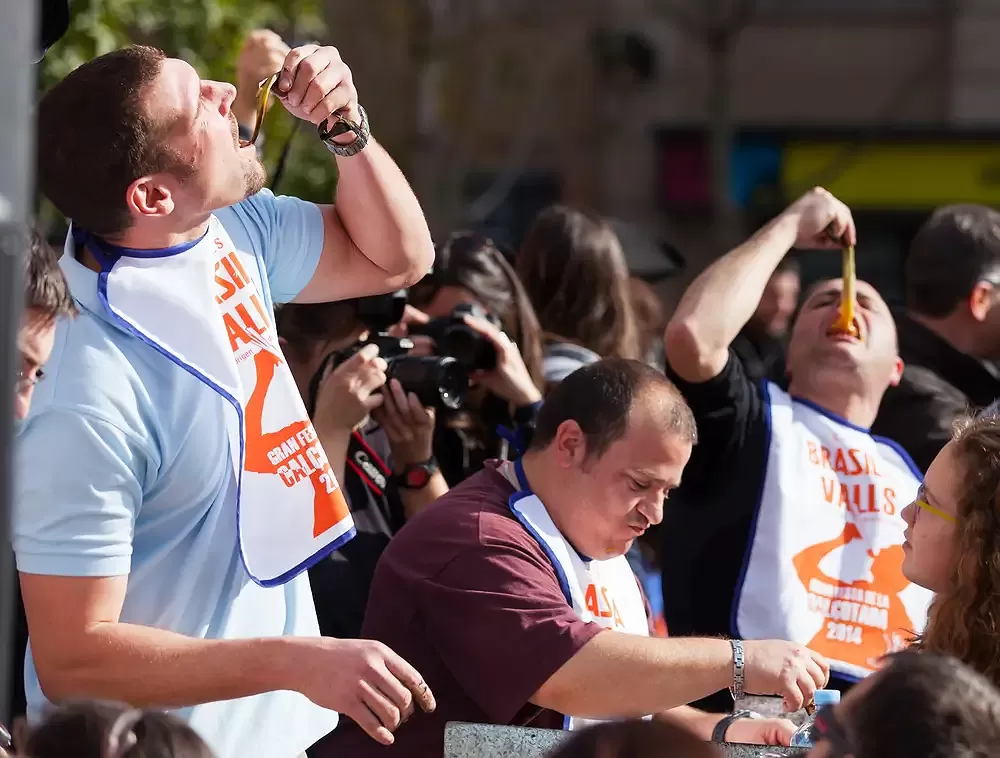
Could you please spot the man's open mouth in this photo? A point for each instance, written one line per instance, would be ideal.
(851, 333)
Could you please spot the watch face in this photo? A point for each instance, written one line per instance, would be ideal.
(417, 478)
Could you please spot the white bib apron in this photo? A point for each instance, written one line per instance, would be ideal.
(202, 307)
(601, 592)
(824, 564)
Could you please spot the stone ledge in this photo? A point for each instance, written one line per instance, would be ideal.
(463, 740)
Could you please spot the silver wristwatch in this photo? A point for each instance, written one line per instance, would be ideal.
(738, 670)
(362, 133)
(719, 732)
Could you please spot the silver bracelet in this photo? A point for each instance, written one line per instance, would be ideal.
(737, 689)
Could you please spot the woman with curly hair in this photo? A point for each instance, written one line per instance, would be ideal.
(953, 546)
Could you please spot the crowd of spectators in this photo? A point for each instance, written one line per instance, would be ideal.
(300, 481)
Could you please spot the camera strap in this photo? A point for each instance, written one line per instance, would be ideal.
(367, 464)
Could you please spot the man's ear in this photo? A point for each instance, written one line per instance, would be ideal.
(980, 300)
(569, 445)
(897, 373)
(150, 197)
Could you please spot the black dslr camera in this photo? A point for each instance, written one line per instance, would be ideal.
(438, 381)
(454, 337)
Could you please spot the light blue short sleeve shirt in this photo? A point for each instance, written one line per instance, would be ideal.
(123, 469)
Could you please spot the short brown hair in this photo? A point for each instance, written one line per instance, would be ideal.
(45, 287)
(600, 397)
(95, 138)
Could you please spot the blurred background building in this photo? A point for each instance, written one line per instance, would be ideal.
(498, 107)
(688, 122)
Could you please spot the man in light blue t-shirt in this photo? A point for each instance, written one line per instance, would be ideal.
(125, 522)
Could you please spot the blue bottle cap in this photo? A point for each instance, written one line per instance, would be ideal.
(827, 697)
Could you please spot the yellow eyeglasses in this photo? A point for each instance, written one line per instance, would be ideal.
(936, 511)
(340, 125)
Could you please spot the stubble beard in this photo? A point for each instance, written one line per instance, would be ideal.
(254, 177)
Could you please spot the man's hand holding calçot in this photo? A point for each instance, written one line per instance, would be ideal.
(792, 671)
(315, 84)
(822, 221)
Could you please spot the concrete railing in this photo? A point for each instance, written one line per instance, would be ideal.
(488, 741)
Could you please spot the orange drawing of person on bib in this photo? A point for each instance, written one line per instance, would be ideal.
(864, 619)
(301, 456)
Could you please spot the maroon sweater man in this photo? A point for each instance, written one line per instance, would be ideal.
(507, 627)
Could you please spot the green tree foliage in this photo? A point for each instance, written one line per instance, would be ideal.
(207, 34)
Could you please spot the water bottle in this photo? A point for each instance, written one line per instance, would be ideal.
(803, 736)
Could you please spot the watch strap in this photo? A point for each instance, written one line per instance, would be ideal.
(340, 125)
(406, 478)
(719, 732)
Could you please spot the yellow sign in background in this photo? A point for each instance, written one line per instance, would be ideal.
(903, 176)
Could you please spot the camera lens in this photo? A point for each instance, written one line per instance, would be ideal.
(438, 381)
(468, 347)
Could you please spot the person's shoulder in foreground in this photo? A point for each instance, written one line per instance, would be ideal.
(468, 597)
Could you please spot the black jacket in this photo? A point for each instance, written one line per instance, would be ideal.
(939, 385)
(762, 355)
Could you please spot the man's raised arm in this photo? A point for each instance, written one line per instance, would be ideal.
(376, 236)
(722, 299)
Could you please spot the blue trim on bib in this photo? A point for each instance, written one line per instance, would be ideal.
(734, 608)
(560, 574)
(830, 415)
(100, 247)
(309, 562)
(522, 480)
(107, 262)
(898, 449)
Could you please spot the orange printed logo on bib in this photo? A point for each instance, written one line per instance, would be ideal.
(825, 566)
(203, 308)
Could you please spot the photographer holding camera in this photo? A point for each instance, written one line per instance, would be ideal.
(495, 333)
(388, 386)
(344, 387)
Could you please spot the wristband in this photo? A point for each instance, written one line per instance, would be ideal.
(738, 670)
(525, 414)
(362, 133)
(719, 732)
